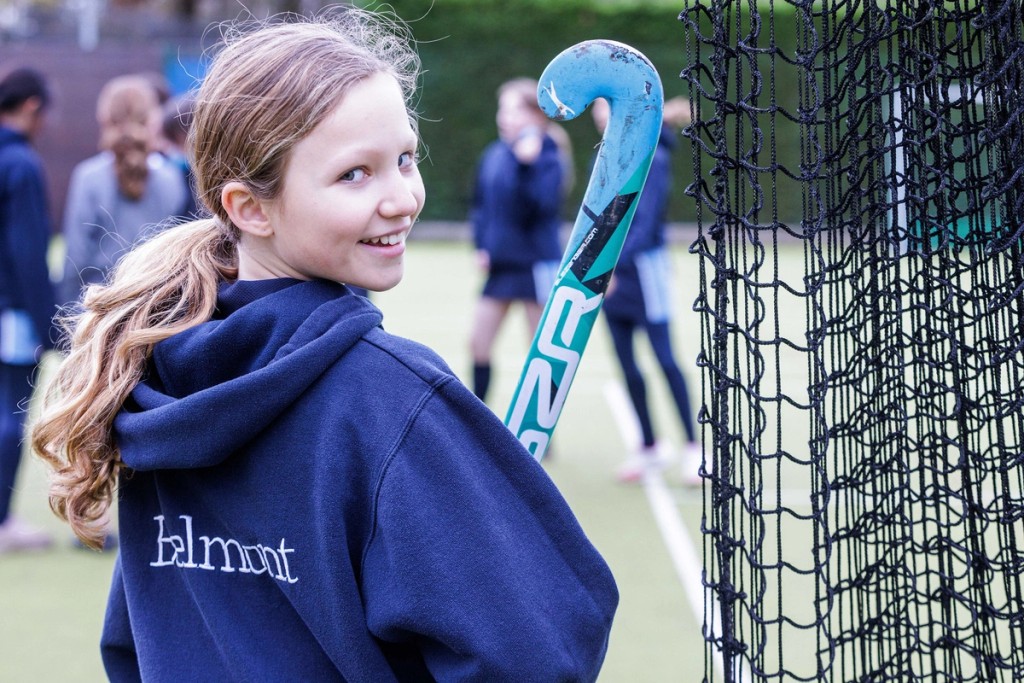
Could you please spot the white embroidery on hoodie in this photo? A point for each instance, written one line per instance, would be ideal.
(226, 555)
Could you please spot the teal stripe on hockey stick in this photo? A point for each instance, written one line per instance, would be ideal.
(569, 84)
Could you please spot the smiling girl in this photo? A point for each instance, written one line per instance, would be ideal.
(301, 495)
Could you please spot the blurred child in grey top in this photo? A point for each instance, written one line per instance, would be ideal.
(121, 193)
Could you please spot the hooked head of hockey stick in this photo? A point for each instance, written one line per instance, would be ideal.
(570, 83)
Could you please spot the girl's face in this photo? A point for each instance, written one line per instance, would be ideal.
(351, 193)
(515, 115)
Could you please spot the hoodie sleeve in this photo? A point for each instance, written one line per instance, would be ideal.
(477, 559)
(117, 645)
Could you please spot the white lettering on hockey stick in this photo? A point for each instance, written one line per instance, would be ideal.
(568, 307)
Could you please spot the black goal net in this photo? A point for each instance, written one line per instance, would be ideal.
(858, 183)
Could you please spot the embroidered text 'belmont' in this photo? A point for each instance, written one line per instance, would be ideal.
(226, 555)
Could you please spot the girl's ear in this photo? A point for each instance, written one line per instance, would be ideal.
(245, 210)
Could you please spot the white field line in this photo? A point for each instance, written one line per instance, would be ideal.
(677, 540)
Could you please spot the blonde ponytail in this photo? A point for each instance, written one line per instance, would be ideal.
(161, 288)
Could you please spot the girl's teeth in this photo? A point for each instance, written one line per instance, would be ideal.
(386, 240)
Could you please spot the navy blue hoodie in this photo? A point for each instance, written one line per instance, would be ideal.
(312, 499)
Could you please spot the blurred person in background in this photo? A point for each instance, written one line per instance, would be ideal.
(117, 195)
(639, 297)
(521, 180)
(27, 304)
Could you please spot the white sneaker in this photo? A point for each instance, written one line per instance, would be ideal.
(16, 535)
(693, 458)
(645, 459)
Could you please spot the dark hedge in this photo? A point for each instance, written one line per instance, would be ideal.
(469, 49)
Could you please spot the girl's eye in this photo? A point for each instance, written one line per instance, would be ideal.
(407, 159)
(355, 175)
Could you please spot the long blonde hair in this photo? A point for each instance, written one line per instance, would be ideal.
(268, 87)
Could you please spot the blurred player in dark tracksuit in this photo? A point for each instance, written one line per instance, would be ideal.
(639, 298)
(27, 302)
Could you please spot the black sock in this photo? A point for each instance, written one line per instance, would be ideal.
(481, 380)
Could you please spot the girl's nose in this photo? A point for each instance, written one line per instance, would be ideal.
(403, 196)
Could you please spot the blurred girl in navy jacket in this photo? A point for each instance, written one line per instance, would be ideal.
(520, 182)
(303, 496)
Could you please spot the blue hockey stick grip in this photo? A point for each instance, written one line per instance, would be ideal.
(570, 83)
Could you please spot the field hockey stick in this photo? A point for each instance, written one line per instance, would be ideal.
(569, 84)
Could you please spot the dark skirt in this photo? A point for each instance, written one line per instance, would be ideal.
(525, 283)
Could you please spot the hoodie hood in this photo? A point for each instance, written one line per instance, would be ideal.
(213, 388)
